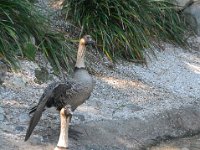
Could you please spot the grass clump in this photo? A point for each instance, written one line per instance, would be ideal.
(126, 28)
(24, 32)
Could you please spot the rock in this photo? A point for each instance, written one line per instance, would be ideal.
(1, 114)
(134, 107)
(2, 117)
(193, 16)
(3, 70)
(36, 140)
(15, 82)
(1, 110)
(138, 133)
(41, 75)
(45, 138)
(182, 3)
(191, 9)
(79, 116)
(19, 128)
(23, 118)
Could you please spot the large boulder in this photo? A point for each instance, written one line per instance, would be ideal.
(191, 8)
(182, 3)
(193, 16)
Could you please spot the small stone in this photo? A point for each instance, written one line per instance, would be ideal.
(3, 70)
(15, 82)
(36, 140)
(24, 117)
(1, 110)
(19, 128)
(2, 117)
(42, 75)
(1, 114)
(45, 138)
(134, 107)
(80, 117)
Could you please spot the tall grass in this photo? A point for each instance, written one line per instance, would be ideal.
(24, 32)
(125, 28)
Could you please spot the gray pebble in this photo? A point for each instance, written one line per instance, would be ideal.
(19, 128)
(24, 117)
(80, 117)
(2, 117)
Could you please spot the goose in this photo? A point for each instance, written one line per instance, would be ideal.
(65, 96)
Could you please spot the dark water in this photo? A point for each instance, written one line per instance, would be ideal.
(192, 143)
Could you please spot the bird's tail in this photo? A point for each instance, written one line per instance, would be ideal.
(37, 115)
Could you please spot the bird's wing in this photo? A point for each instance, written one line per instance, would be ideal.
(64, 94)
(41, 105)
(48, 90)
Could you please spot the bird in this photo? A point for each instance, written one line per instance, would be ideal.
(66, 96)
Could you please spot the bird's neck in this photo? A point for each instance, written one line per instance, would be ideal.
(80, 61)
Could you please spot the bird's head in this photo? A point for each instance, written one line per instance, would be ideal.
(87, 40)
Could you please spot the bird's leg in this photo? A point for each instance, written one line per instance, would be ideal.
(65, 115)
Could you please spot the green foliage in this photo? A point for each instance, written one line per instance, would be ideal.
(24, 31)
(125, 28)
(59, 50)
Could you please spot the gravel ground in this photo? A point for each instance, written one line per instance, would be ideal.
(171, 81)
